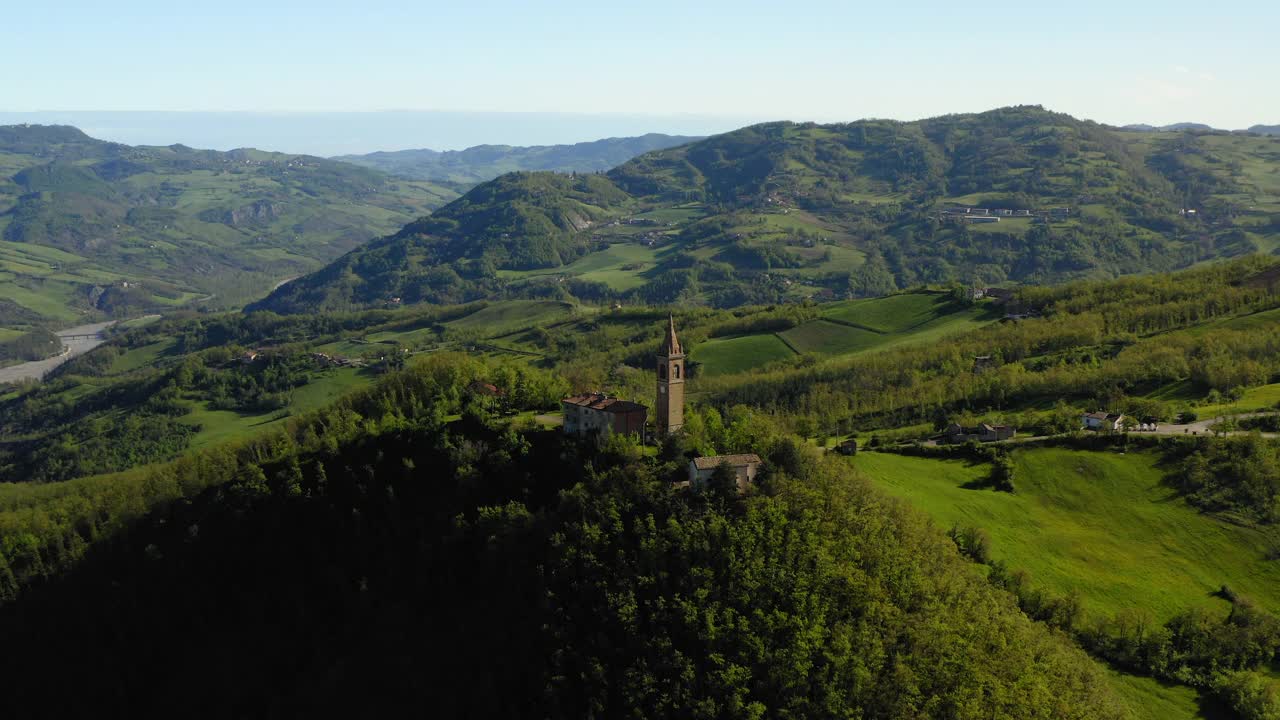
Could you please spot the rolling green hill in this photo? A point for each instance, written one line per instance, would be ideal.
(1103, 525)
(786, 211)
(1156, 553)
(91, 228)
(485, 162)
(846, 328)
(1102, 528)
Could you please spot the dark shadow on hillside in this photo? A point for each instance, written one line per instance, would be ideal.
(1211, 708)
(357, 592)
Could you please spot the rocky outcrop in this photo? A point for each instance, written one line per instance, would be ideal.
(256, 213)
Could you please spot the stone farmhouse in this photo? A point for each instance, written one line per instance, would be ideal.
(744, 466)
(956, 433)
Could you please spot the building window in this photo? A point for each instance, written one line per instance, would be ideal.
(676, 369)
(662, 372)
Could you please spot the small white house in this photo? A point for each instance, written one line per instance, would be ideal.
(744, 466)
(1103, 421)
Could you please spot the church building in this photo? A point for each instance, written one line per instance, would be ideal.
(669, 414)
(597, 413)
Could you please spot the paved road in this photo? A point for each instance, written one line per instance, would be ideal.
(89, 337)
(1201, 427)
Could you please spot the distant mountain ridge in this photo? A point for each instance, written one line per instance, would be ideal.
(94, 228)
(1169, 128)
(1201, 127)
(486, 162)
(784, 211)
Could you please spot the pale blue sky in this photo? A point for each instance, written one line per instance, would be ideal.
(1116, 62)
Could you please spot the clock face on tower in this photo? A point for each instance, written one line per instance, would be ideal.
(662, 389)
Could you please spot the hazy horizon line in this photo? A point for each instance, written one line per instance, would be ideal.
(330, 133)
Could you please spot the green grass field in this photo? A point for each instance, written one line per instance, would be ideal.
(221, 425)
(1263, 397)
(403, 337)
(723, 356)
(218, 426)
(943, 326)
(620, 266)
(828, 338)
(1151, 699)
(1011, 226)
(1100, 524)
(846, 328)
(895, 313)
(141, 356)
(328, 387)
(507, 317)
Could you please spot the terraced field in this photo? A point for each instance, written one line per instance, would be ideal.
(851, 327)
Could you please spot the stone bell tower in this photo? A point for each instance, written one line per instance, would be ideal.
(669, 415)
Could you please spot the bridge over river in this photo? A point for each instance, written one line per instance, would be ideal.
(76, 341)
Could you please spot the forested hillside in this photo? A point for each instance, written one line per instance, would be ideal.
(486, 162)
(95, 229)
(782, 211)
(376, 556)
(1152, 551)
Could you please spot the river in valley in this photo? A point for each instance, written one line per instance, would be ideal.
(76, 341)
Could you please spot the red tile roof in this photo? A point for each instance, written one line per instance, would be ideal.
(600, 401)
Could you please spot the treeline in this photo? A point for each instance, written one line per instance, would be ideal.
(1091, 355)
(376, 557)
(54, 431)
(1154, 303)
(195, 331)
(1238, 476)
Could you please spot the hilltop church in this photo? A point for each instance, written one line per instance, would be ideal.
(670, 405)
(599, 413)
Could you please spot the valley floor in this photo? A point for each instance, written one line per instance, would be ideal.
(75, 340)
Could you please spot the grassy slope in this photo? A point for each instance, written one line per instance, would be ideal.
(501, 318)
(850, 327)
(828, 338)
(621, 266)
(219, 425)
(721, 356)
(895, 313)
(1150, 699)
(1100, 524)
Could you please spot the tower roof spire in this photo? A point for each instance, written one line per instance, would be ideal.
(671, 344)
